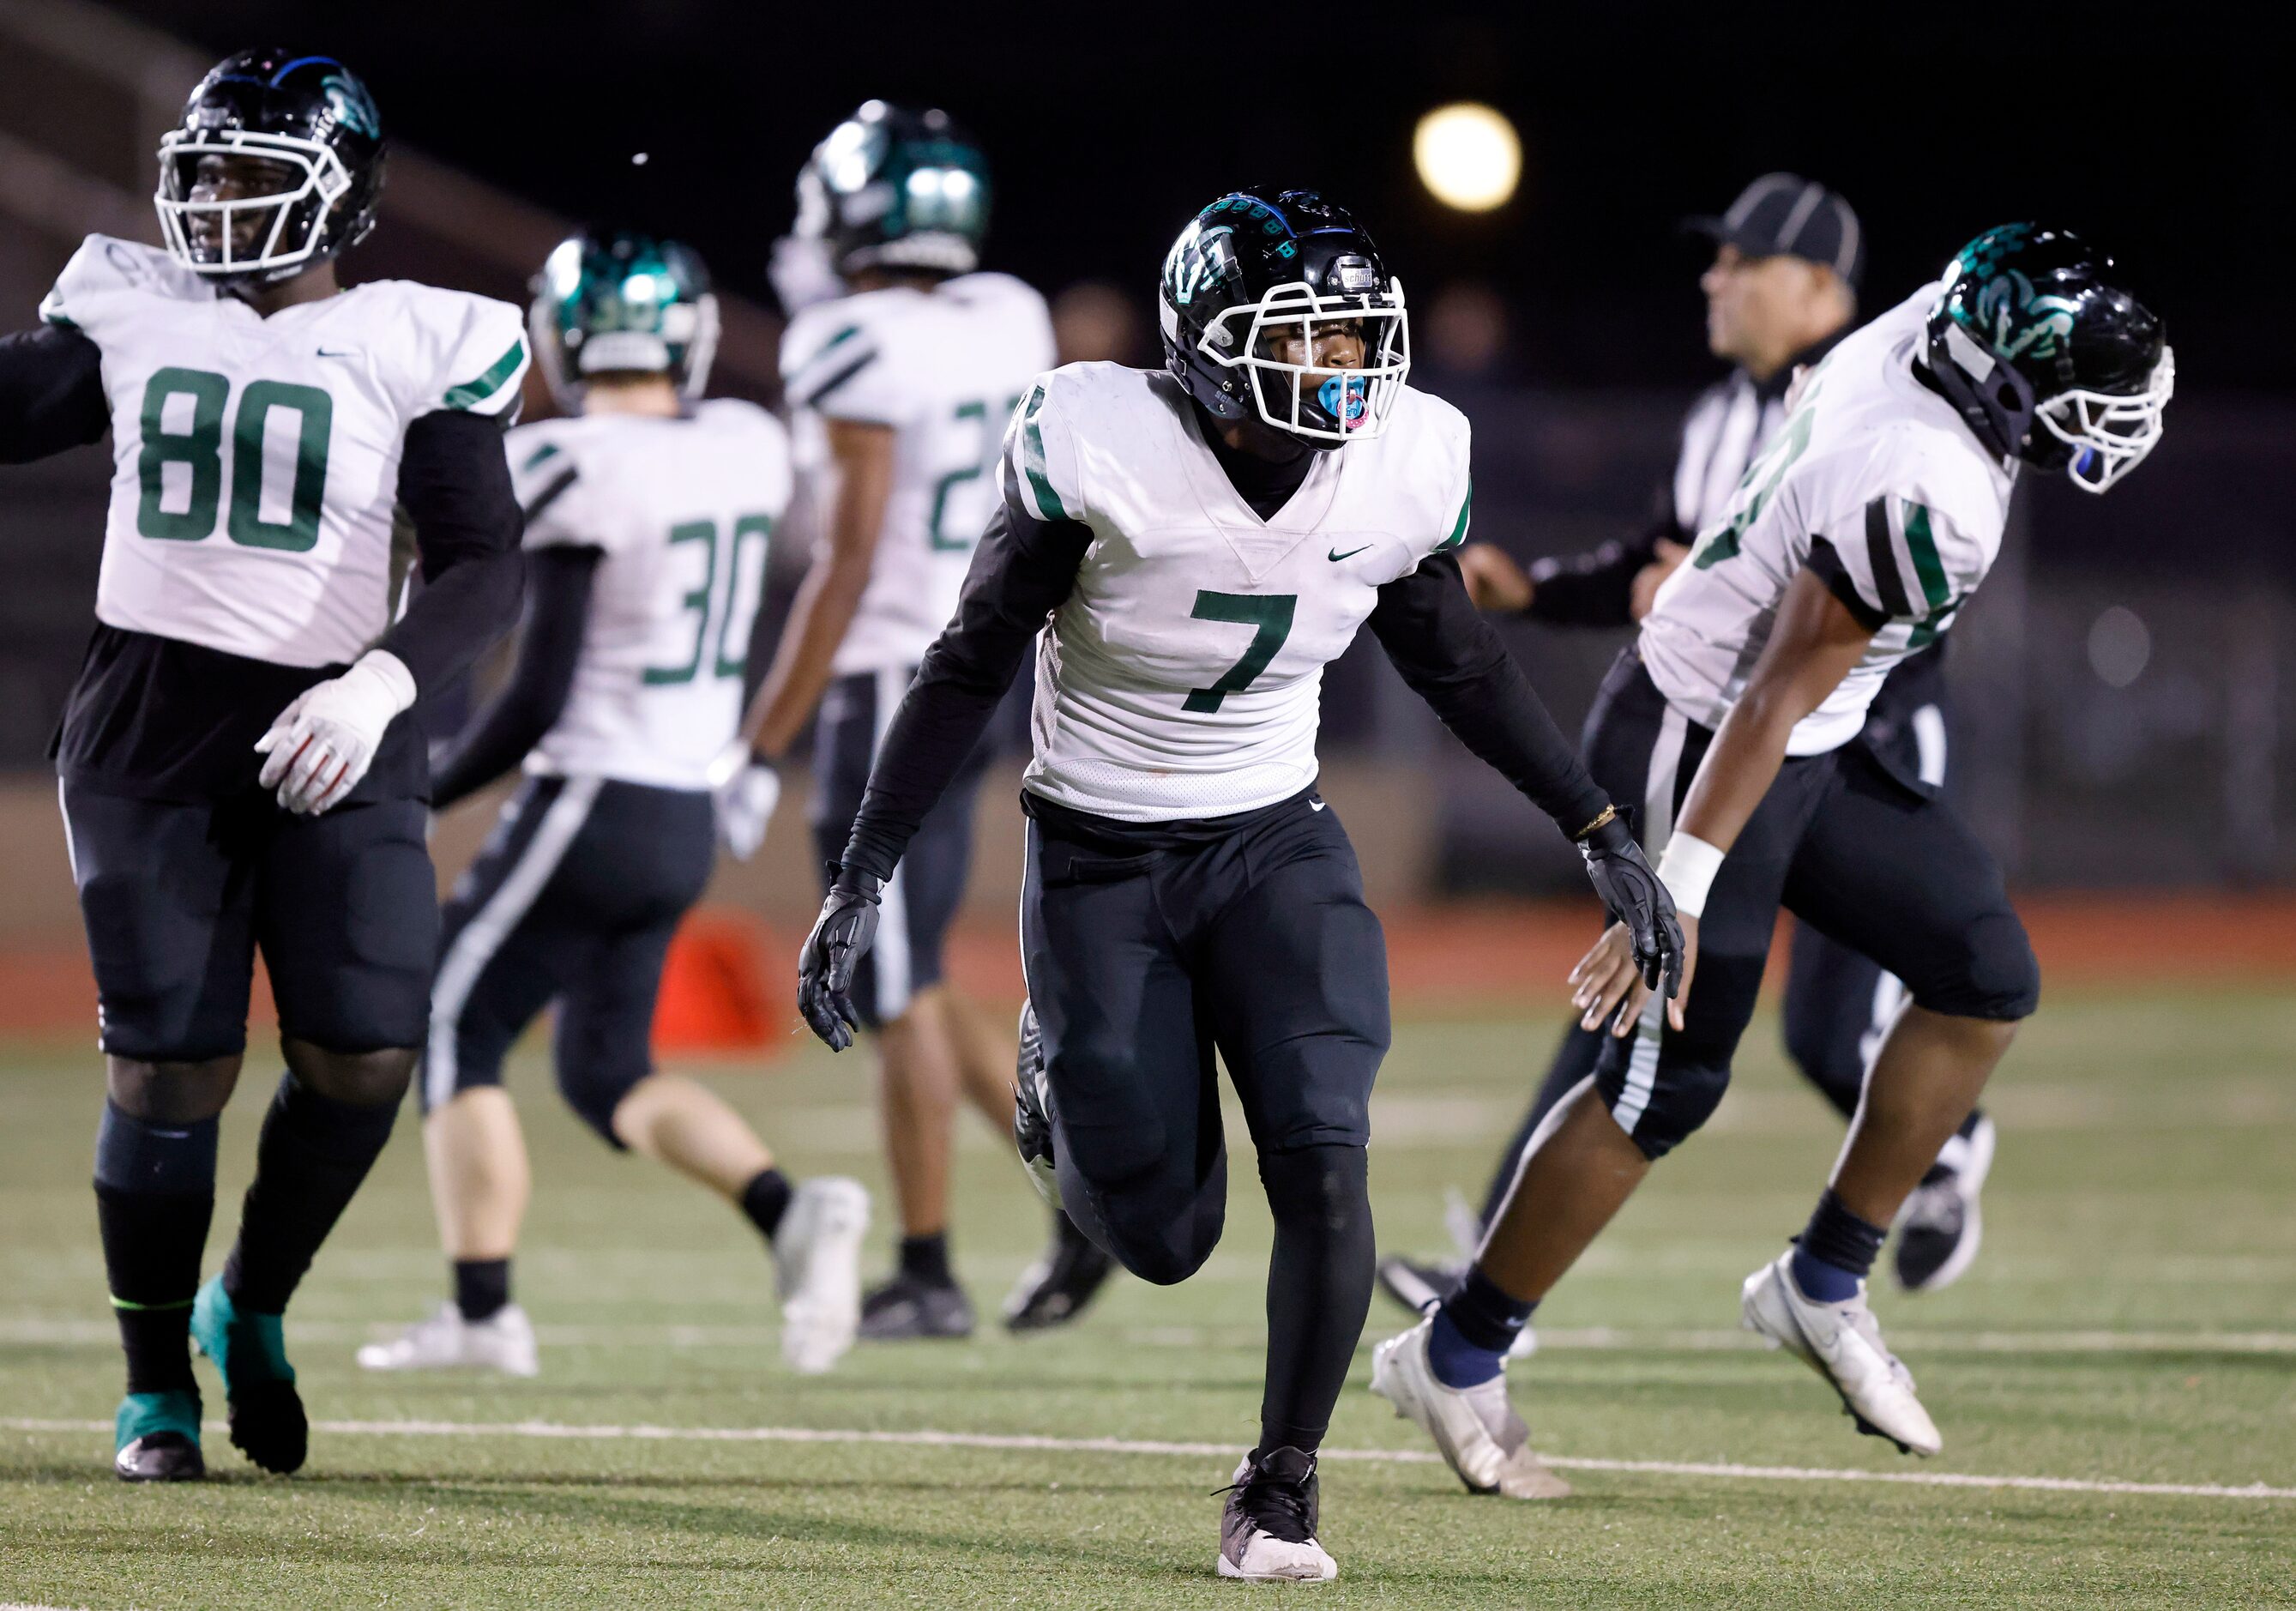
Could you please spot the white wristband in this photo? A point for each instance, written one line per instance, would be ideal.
(1687, 870)
(390, 676)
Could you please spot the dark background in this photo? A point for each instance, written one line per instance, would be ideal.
(2173, 146)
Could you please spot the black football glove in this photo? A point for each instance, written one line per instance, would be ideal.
(841, 936)
(1630, 888)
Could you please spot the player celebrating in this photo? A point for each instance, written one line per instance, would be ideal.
(1187, 550)
(647, 519)
(1850, 544)
(236, 773)
(898, 384)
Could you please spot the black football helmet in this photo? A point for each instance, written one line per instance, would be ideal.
(306, 121)
(1261, 258)
(2048, 356)
(892, 188)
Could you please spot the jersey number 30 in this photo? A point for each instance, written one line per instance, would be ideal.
(735, 606)
(198, 449)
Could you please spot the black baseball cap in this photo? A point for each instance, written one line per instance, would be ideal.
(1783, 214)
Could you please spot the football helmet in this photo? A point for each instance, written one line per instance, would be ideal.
(616, 300)
(1258, 261)
(306, 128)
(892, 188)
(2048, 356)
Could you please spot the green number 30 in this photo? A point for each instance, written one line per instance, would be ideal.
(734, 612)
(199, 449)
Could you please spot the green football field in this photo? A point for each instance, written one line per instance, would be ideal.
(2116, 1378)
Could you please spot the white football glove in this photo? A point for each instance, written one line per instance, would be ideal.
(746, 798)
(321, 745)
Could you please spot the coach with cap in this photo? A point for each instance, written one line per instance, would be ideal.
(1789, 256)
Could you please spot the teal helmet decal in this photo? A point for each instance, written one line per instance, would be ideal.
(620, 301)
(2037, 341)
(892, 188)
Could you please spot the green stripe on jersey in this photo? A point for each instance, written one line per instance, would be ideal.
(1459, 532)
(825, 350)
(548, 450)
(471, 393)
(1927, 566)
(57, 318)
(1032, 460)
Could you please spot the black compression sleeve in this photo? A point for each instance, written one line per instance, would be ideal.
(1593, 589)
(557, 611)
(51, 393)
(1020, 574)
(1454, 660)
(453, 483)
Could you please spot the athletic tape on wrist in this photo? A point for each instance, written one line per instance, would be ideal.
(1687, 870)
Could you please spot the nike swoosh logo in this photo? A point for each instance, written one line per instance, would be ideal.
(1316, 805)
(1335, 555)
(324, 353)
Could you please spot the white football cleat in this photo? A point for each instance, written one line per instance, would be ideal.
(1842, 1343)
(504, 1342)
(817, 1259)
(1267, 1532)
(1475, 1428)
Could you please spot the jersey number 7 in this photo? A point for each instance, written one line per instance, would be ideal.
(1271, 613)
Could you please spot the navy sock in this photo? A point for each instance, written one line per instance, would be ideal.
(1834, 1252)
(766, 1199)
(482, 1287)
(1474, 1330)
(154, 1195)
(313, 1154)
(926, 1259)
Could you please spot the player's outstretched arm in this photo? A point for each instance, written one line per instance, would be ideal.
(559, 579)
(1816, 641)
(1453, 659)
(51, 393)
(1022, 570)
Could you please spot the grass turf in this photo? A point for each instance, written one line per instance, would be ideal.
(2128, 1319)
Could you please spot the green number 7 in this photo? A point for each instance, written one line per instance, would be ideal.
(1271, 613)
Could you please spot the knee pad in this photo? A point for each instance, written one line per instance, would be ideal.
(593, 1090)
(1159, 1233)
(361, 1078)
(1995, 977)
(1661, 1102)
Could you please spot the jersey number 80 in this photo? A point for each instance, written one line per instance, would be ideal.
(198, 449)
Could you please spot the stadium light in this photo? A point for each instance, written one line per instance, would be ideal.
(1468, 156)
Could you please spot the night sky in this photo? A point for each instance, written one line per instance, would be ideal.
(1108, 125)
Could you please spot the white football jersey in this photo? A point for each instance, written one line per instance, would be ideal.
(1183, 676)
(683, 510)
(255, 460)
(945, 368)
(1881, 471)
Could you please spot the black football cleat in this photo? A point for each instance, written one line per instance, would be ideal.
(1054, 1289)
(908, 1308)
(157, 1438)
(264, 1410)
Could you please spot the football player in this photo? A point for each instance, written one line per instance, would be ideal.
(1781, 291)
(1186, 549)
(898, 384)
(238, 771)
(1851, 544)
(648, 513)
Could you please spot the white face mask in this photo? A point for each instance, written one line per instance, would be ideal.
(1358, 400)
(315, 174)
(2111, 433)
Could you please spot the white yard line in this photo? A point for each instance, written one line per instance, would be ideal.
(1601, 1339)
(1033, 1443)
